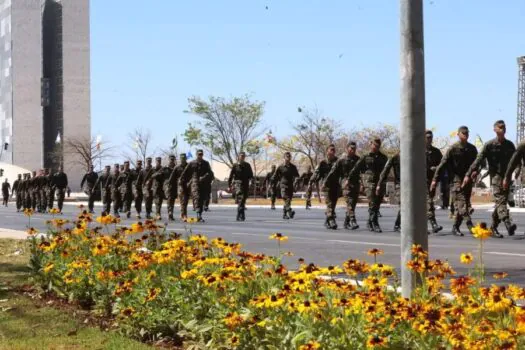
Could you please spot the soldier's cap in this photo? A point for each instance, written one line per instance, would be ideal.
(126, 162)
(158, 158)
(351, 144)
(429, 132)
(149, 158)
(377, 141)
(199, 151)
(116, 165)
(500, 123)
(108, 167)
(287, 154)
(183, 155)
(139, 161)
(242, 153)
(172, 156)
(463, 129)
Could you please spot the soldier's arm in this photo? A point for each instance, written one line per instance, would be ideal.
(276, 176)
(478, 163)
(441, 166)
(515, 161)
(230, 178)
(357, 168)
(83, 180)
(207, 174)
(334, 173)
(250, 172)
(386, 170)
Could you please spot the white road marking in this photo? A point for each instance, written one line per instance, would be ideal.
(322, 240)
(364, 243)
(502, 253)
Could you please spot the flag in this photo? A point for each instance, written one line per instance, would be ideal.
(58, 140)
(189, 155)
(453, 133)
(478, 142)
(99, 142)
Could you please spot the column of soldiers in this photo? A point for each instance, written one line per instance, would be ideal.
(37, 191)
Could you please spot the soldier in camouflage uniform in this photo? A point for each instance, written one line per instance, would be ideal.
(17, 187)
(26, 196)
(239, 182)
(434, 157)
(392, 164)
(170, 186)
(340, 172)
(124, 185)
(43, 187)
(303, 182)
(371, 165)
(183, 188)
(105, 193)
(207, 191)
(498, 153)
(116, 198)
(136, 186)
(329, 186)
(147, 181)
(157, 186)
(458, 159)
(271, 189)
(89, 180)
(199, 172)
(34, 191)
(285, 175)
(59, 181)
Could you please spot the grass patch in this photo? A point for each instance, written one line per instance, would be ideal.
(26, 322)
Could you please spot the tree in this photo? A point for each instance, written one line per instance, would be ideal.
(85, 151)
(389, 135)
(171, 150)
(139, 146)
(225, 127)
(312, 135)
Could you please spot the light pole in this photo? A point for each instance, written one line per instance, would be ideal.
(413, 162)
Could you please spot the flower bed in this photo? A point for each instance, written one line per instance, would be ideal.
(210, 293)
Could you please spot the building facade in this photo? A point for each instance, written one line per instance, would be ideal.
(44, 82)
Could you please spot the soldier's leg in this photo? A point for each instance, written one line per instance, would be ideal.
(107, 203)
(171, 205)
(452, 195)
(331, 203)
(51, 198)
(501, 211)
(273, 196)
(460, 208)
(183, 199)
(369, 191)
(308, 197)
(91, 200)
(138, 203)
(376, 204)
(18, 202)
(431, 211)
(60, 200)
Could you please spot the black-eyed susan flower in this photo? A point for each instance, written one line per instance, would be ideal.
(466, 258)
(480, 231)
(278, 237)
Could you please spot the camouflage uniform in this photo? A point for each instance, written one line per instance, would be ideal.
(105, 193)
(59, 181)
(147, 187)
(89, 180)
(458, 159)
(433, 156)
(124, 186)
(17, 188)
(35, 192)
(498, 156)
(286, 174)
(207, 191)
(329, 187)
(303, 182)
(6, 187)
(340, 172)
(43, 187)
(198, 172)
(393, 163)
(239, 179)
(26, 198)
(271, 188)
(116, 197)
(136, 186)
(182, 187)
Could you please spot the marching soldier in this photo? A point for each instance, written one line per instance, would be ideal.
(371, 165)
(136, 184)
(105, 192)
(497, 152)
(286, 174)
(60, 183)
(146, 187)
(6, 188)
(17, 187)
(341, 171)
(34, 192)
(239, 182)
(271, 189)
(304, 181)
(89, 180)
(183, 188)
(198, 171)
(392, 163)
(157, 186)
(329, 186)
(170, 186)
(207, 191)
(457, 160)
(434, 157)
(27, 191)
(114, 189)
(43, 185)
(124, 183)
(50, 195)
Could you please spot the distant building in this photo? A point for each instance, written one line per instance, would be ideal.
(44, 82)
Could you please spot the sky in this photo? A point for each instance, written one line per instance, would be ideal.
(341, 56)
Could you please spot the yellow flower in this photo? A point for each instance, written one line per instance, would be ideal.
(137, 227)
(127, 312)
(331, 270)
(375, 341)
(105, 219)
(54, 211)
(311, 345)
(466, 258)
(279, 237)
(48, 267)
(232, 320)
(32, 231)
(100, 249)
(152, 294)
(234, 340)
(481, 231)
(191, 220)
(375, 252)
(500, 275)
(28, 212)
(307, 306)
(188, 274)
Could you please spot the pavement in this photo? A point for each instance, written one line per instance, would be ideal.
(310, 240)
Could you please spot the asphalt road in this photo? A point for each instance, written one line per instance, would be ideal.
(310, 240)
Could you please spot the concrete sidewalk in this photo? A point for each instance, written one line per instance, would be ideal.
(14, 234)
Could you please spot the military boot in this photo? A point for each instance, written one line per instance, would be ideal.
(456, 231)
(327, 223)
(238, 218)
(375, 224)
(148, 216)
(128, 214)
(495, 232)
(511, 227)
(435, 227)
(170, 217)
(199, 217)
(308, 204)
(470, 225)
(273, 206)
(243, 216)
(291, 213)
(333, 223)
(346, 224)
(397, 224)
(369, 224)
(285, 214)
(353, 224)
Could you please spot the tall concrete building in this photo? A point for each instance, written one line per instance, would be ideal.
(44, 82)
